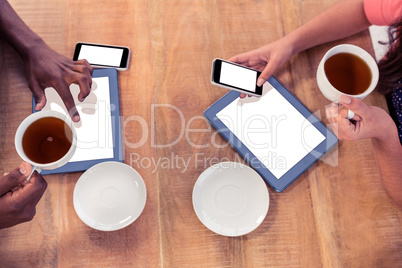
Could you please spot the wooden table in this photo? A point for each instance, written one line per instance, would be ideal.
(334, 215)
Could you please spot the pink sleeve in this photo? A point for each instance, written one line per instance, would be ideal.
(382, 12)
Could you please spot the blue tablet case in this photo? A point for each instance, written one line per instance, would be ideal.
(116, 127)
(278, 184)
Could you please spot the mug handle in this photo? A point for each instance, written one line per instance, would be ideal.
(33, 170)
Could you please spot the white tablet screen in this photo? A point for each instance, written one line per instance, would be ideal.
(272, 129)
(94, 131)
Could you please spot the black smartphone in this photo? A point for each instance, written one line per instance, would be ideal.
(103, 56)
(233, 76)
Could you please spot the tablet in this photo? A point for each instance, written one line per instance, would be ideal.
(99, 130)
(275, 133)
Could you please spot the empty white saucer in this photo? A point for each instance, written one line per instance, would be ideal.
(109, 196)
(230, 199)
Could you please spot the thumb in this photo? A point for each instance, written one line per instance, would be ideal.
(14, 178)
(265, 74)
(40, 103)
(39, 95)
(353, 104)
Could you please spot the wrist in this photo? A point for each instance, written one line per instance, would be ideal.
(388, 138)
(16, 32)
(292, 43)
(297, 41)
(27, 48)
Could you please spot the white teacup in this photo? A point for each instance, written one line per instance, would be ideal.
(69, 132)
(333, 94)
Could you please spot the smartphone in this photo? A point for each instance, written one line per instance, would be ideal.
(235, 77)
(103, 56)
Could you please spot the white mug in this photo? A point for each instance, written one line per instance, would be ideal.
(20, 134)
(328, 90)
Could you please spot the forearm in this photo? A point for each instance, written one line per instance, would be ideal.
(343, 19)
(16, 32)
(388, 154)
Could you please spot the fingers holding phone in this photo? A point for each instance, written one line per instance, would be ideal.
(233, 76)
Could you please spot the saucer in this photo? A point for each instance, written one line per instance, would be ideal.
(230, 199)
(109, 196)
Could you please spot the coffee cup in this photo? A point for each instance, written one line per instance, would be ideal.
(46, 139)
(347, 70)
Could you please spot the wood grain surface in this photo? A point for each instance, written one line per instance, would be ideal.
(336, 214)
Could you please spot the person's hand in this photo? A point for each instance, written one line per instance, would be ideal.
(47, 68)
(265, 59)
(368, 122)
(18, 197)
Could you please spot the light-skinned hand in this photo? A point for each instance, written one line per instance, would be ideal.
(368, 122)
(265, 59)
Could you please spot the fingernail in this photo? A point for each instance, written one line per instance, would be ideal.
(345, 99)
(260, 82)
(23, 170)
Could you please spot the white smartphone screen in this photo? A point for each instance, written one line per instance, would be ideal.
(239, 77)
(101, 55)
